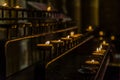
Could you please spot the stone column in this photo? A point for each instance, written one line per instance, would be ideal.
(77, 13)
(94, 6)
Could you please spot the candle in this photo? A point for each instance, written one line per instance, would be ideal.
(104, 43)
(99, 51)
(92, 62)
(46, 51)
(101, 33)
(72, 33)
(4, 4)
(100, 46)
(112, 37)
(58, 46)
(59, 40)
(17, 6)
(67, 42)
(47, 42)
(49, 8)
(89, 28)
(68, 36)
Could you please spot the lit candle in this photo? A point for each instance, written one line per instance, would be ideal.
(100, 47)
(59, 40)
(104, 43)
(46, 51)
(101, 33)
(68, 36)
(47, 42)
(49, 8)
(58, 46)
(17, 6)
(97, 50)
(67, 42)
(5, 4)
(89, 28)
(72, 33)
(112, 37)
(92, 62)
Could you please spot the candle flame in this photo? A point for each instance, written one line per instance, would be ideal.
(71, 33)
(49, 8)
(68, 36)
(47, 42)
(101, 33)
(104, 42)
(100, 46)
(17, 6)
(97, 49)
(59, 40)
(5, 4)
(92, 60)
(90, 28)
(112, 37)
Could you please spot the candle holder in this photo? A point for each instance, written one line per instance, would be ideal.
(92, 61)
(45, 52)
(58, 47)
(104, 43)
(75, 38)
(90, 28)
(99, 51)
(13, 32)
(67, 42)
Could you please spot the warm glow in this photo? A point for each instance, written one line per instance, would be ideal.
(17, 6)
(101, 33)
(92, 60)
(100, 47)
(97, 49)
(49, 8)
(104, 42)
(71, 33)
(47, 42)
(59, 40)
(5, 4)
(68, 36)
(101, 38)
(90, 28)
(112, 37)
